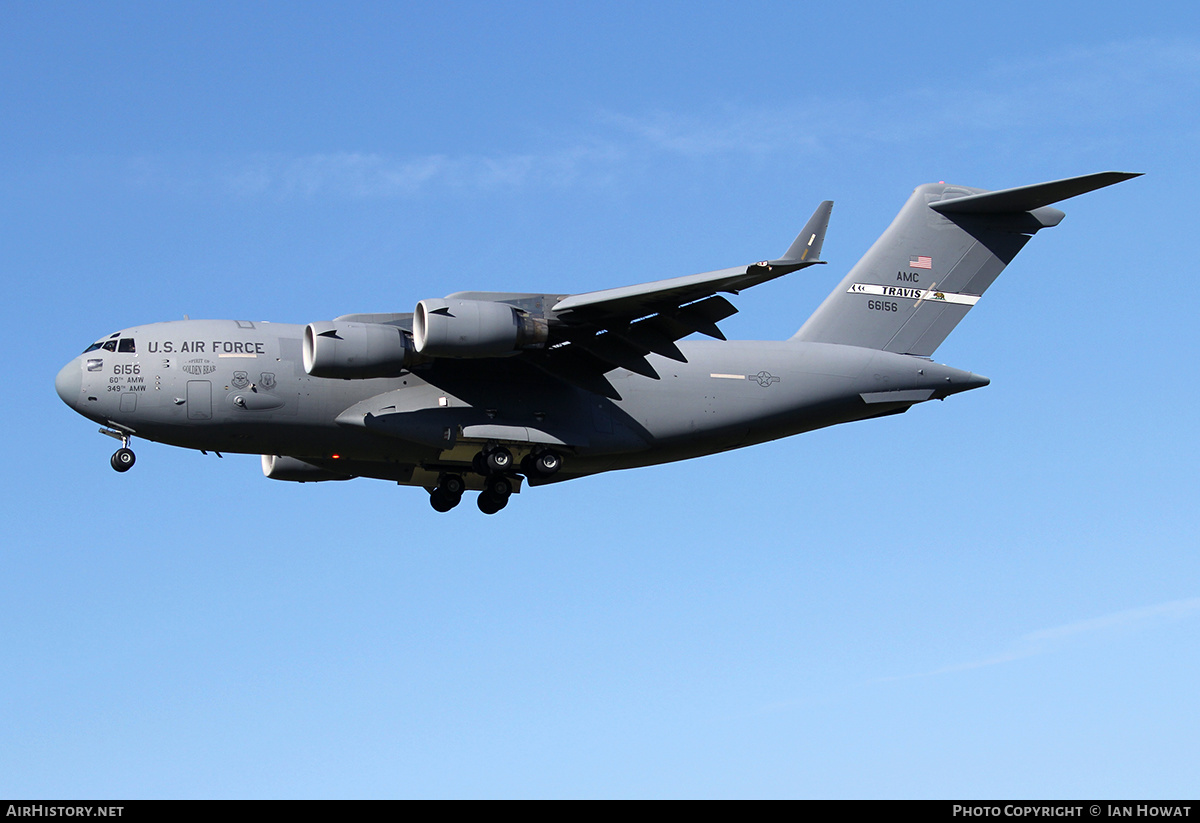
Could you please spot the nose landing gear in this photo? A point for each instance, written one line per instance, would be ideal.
(123, 458)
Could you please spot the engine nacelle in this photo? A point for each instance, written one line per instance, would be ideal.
(289, 468)
(475, 328)
(355, 350)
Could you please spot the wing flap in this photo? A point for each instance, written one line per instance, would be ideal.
(646, 336)
(577, 367)
(617, 352)
(594, 333)
(704, 315)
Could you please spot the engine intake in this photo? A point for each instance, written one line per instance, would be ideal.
(475, 328)
(356, 350)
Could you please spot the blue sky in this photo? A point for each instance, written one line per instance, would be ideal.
(995, 596)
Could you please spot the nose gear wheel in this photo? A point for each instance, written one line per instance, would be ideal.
(123, 459)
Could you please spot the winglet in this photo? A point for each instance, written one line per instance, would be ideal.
(806, 248)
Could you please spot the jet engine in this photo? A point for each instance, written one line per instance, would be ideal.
(289, 468)
(475, 328)
(355, 350)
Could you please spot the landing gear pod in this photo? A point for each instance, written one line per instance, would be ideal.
(277, 467)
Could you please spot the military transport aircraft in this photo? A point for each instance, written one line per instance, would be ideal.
(481, 390)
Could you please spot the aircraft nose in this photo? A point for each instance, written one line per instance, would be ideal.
(69, 383)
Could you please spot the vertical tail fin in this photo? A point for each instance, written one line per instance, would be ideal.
(933, 263)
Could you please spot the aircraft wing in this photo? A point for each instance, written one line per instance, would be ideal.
(599, 331)
(635, 301)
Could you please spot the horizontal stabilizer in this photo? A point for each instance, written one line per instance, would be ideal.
(1028, 198)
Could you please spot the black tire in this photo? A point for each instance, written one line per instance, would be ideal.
(451, 484)
(123, 459)
(547, 463)
(479, 463)
(498, 486)
(499, 459)
(441, 501)
(489, 503)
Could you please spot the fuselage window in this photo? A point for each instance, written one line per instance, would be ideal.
(126, 345)
(110, 345)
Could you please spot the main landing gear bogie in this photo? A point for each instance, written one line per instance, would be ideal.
(489, 503)
(542, 463)
(497, 488)
(493, 460)
(448, 493)
(495, 464)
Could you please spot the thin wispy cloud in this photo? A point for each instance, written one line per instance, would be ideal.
(698, 136)
(1045, 641)
(346, 174)
(1075, 89)
(370, 175)
(1102, 93)
(359, 175)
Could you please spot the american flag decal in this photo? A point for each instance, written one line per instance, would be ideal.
(921, 262)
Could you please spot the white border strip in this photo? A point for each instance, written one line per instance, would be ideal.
(932, 295)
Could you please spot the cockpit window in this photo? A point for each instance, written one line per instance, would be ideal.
(124, 344)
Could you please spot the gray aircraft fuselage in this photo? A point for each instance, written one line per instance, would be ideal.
(487, 391)
(238, 386)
